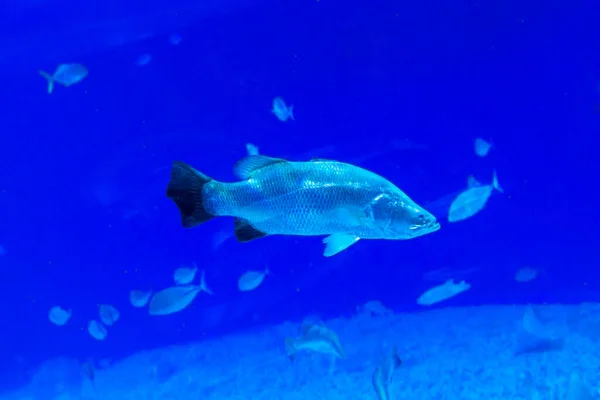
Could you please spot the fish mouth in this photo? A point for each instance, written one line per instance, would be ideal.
(420, 230)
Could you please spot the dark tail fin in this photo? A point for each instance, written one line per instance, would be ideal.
(185, 189)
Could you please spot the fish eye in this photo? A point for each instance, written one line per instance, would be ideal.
(422, 218)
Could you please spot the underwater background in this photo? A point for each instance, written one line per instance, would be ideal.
(400, 88)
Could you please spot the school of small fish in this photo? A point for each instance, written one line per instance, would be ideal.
(273, 196)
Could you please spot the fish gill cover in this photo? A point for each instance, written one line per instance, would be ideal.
(483, 114)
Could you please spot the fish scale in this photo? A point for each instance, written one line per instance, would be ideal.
(307, 194)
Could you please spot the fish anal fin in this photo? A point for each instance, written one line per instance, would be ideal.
(244, 232)
(245, 167)
(338, 242)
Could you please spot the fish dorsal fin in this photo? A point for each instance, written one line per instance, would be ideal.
(245, 167)
(472, 182)
(321, 160)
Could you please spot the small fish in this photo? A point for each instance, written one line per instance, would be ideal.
(525, 274)
(59, 316)
(315, 198)
(442, 292)
(139, 298)
(472, 200)
(184, 275)
(143, 59)
(66, 75)
(108, 314)
(173, 299)
(176, 298)
(384, 373)
(281, 110)
(316, 338)
(251, 280)
(97, 330)
(175, 39)
(482, 147)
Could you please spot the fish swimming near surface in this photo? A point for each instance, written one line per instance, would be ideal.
(314, 198)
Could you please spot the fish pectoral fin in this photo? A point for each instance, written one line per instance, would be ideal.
(244, 232)
(338, 242)
(245, 167)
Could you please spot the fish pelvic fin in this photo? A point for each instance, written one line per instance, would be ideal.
(185, 189)
(244, 232)
(495, 183)
(291, 112)
(338, 242)
(50, 80)
(203, 286)
(290, 349)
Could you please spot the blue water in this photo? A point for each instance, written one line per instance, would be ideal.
(84, 216)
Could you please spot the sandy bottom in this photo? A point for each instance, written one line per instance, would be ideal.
(483, 353)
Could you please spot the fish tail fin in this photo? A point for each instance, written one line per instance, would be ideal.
(50, 80)
(495, 183)
(203, 285)
(290, 349)
(291, 111)
(185, 189)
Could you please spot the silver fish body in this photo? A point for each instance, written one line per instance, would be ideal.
(319, 197)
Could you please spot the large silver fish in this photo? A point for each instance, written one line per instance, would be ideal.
(314, 198)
